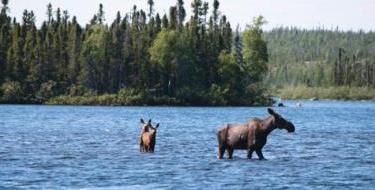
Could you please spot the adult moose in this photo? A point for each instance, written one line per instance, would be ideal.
(147, 139)
(251, 136)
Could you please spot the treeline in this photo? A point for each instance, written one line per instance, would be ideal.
(139, 58)
(321, 58)
(348, 71)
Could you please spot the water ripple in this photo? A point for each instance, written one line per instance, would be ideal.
(68, 147)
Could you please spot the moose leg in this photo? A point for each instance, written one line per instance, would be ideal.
(250, 153)
(221, 151)
(141, 146)
(152, 146)
(260, 154)
(230, 153)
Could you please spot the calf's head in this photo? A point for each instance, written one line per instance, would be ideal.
(153, 130)
(280, 122)
(147, 127)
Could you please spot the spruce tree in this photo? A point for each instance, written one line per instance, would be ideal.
(5, 39)
(181, 13)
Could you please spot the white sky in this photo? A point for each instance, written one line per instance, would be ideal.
(346, 14)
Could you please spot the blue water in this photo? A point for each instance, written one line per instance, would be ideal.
(77, 147)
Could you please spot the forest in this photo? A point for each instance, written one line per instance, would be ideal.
(336, 62)
(321, 57)
(140, 58)
(147, 58)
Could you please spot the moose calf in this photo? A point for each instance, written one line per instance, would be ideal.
(147, 139)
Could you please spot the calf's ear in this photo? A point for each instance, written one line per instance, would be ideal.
(149, 121)
(142, 121)
(157, 125)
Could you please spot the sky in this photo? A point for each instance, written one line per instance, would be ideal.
(345, 14)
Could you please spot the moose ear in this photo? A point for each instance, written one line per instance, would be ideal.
(142, 121)
(270, 111)
(149, 121)
(157, 125)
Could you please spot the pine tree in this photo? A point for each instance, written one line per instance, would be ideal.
(100, 15)
(33, 58)
(5, 39)
(150, 8)
(238, 47)
(49, 13)
(181, 13)
(173, 21)
(73, 49)
(15, 67)
(116, 56)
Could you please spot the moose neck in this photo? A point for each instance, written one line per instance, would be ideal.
(268, 125)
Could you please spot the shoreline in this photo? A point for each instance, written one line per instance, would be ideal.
(175, 105)
(344, 93)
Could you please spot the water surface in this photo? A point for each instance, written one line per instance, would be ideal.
(78, 147)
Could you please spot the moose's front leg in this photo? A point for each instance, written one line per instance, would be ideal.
(260, 154)
(250, 153)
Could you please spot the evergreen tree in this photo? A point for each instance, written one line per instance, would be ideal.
(49, 13)
(16, 70)
(5, 39)
(238, 47)
(100, 15)
(150, 8)
(173, 22)
(73, 49)
(181, 13)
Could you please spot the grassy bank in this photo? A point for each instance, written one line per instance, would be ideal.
(134, 98)
(336, 93)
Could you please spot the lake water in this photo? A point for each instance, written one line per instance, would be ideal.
(78, 147)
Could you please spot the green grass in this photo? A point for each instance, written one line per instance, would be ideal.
(336, 93)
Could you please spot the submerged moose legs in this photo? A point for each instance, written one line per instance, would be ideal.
(260, 154)
(230, 153)
(221, 152)
(250, 153)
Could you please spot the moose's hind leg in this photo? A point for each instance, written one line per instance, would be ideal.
(230, 152)
(221, 151)
(260, 154)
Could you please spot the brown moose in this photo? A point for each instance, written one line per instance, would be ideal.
(251, 136)
(147, 139)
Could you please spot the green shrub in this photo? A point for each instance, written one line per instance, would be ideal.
(47, 90)
(12, 92)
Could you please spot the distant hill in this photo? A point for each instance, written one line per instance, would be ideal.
(320, 57)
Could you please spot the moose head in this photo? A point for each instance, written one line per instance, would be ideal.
(280, 122)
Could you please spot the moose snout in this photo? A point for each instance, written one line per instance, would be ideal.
(291, 127)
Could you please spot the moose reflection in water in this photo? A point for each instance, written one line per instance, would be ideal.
(147, 139)
(251, 136)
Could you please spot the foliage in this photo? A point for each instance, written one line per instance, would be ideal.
(47, 90)
(255, 50)
(139, 58)
(12, 92)
(320, 57)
